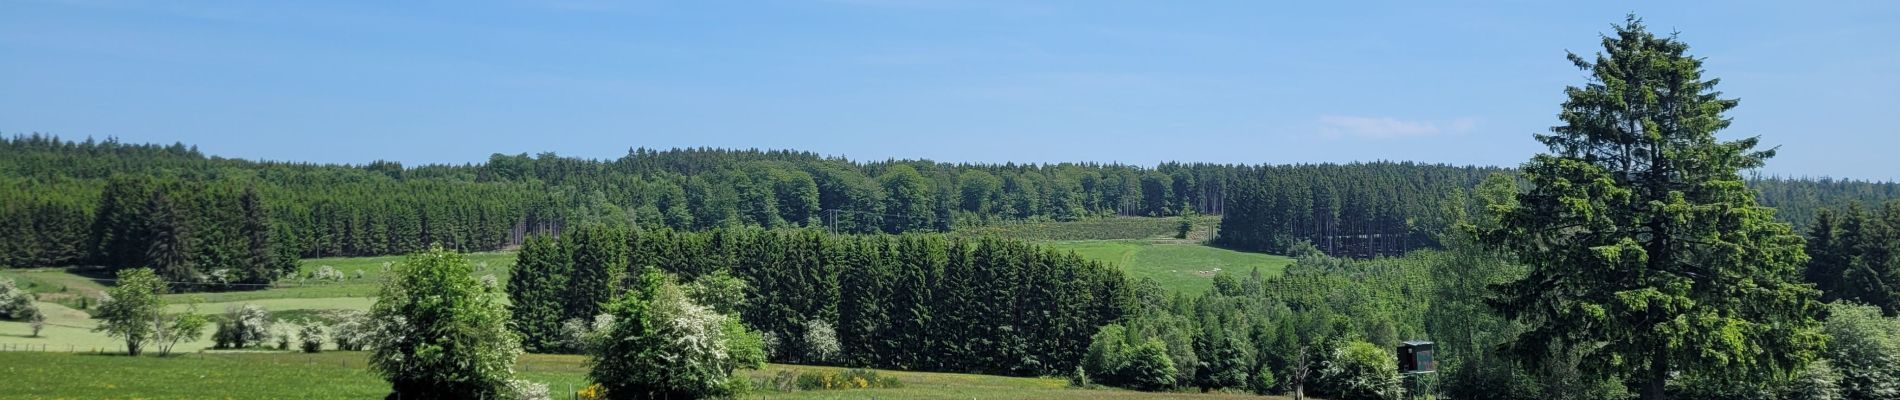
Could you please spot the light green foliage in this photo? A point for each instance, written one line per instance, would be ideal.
(441, 332)
(310, 337)
(1646, 249)
(1364, 371)
(1120, 360)
(1225, 359)
(908, 200)
(129, 311)
(185, 327)
(243, 325)
(1866, 348)
(1149, 366)
(1186, 268)
(16, 303)
(1185, 225)
(341, 376)
(719, 290)
(1819, 381)
(820, 342)
(1467, 332)
(663, 345)
(350, 329)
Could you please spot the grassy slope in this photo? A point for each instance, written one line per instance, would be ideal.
(344, 375)
(1145, 247)
(1140, 245)
(1184, 267)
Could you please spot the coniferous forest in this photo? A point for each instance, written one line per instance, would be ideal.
(1640, 257)
(108, 203)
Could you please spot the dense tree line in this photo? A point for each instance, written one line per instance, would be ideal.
(914, 302)
(1358, 210)
(52, 189)
(211, 234)
(1855, 256)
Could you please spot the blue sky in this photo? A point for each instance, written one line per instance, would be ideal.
(988, 81)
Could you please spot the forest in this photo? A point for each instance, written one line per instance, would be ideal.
(1637, 258)
(71, 202)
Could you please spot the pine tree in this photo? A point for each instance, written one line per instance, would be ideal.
(600, 259)
(535, 292)
(1646, 250)
(261, 263)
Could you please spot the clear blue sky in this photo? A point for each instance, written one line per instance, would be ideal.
(989, 81)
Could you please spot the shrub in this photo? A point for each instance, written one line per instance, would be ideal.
(821, 342)
(281, 334)
(1149, 367)
(1364, 371)
(328, 273)
(521, 389)
(592, 392)
(129, 311)
(37, 322)
(440, 333)
(311, 337)
(1118, 362)
(855, 378)
(349, 329)
(1819, 381)
(16, 303)
(665, 346)
(1866, 348)
(242, 326)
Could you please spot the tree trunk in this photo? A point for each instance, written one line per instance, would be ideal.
(1658, 374)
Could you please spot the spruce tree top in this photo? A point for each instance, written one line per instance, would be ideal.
(1647, 252)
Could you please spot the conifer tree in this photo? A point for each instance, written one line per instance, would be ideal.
(1646, 250)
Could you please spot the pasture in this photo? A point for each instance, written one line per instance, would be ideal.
(1176, 265)
(346, 375)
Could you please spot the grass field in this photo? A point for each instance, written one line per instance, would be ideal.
(345, 375)
(1178, 265)
(1096, 229)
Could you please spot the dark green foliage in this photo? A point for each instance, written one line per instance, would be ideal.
(66, 203)
(1856, 256)
(918, 302)
(599, 260)
(536, 291)
(1646, 250)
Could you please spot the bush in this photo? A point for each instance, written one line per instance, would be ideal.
(242, 326)
(521, 389)
(1866, 348)
(16, 303)
(821, 342)
(311, 337)
(1149, 367)
(855, 378)
(37, 322)
(439, 333)
(1119, 362)
(328, 273)
(350, 329)
(281, 334)
(1819, 381)
(129, 311)
(662, 345)
(1364, 371)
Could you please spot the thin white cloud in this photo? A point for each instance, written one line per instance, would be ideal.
(1389, 128)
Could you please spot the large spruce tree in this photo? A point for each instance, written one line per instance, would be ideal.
(1646, 250)
(536, 291)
